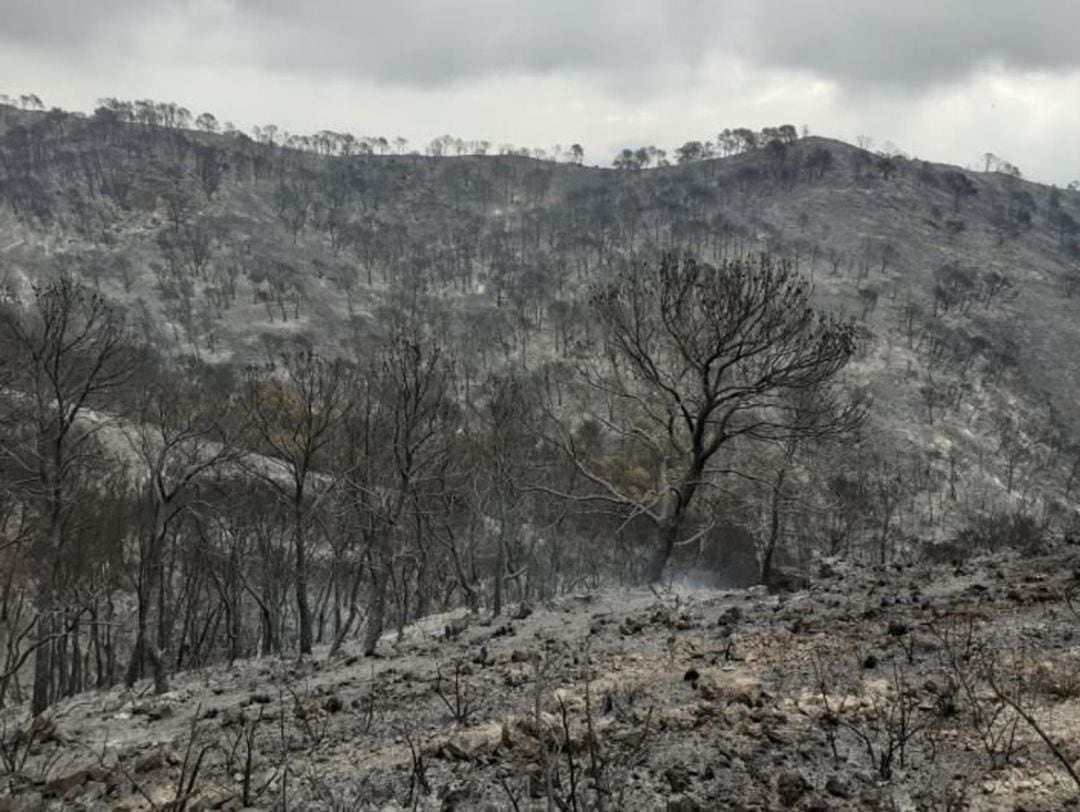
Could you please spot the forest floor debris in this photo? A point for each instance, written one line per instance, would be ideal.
(902, 687)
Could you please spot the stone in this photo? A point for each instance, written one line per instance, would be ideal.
(731, 616)
(457, 798)
(154, 760)
(837, 787)
(731, 689)
(211, 798)
(791, 787)
(897, 628)
(456, 626)
(233, 716)
(684, 803)
(782, 579)
(28, 800)
(678, 778)
(60, 787)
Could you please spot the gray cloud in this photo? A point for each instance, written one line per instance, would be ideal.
(916, 43)
(71, 24)
(430, 43)
(860, 43)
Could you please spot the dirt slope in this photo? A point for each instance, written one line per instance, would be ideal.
(866, 689)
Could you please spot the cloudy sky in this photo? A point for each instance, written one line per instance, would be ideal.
(941, 79)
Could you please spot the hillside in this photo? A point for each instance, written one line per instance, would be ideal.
(227, 248)
(872, 689)
(263, 401)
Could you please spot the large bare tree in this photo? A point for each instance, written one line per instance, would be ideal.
(395, 471)
(62, 354)
(296, 417)
(181, 435)
(697, 357)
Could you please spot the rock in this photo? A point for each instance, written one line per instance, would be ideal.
(516, 677)
(28, 801)
(154, 760)
(731, 689)
(837, 787)
(523, 733)
(211, 798)
(455, 627)
(60, 787)
(870, 798)
(233, 716)
(631, 626)
(782, 579)
(791, 787)
(157, 797)
(90, 792)
(456, 798)
(684, 804)
(471, 745)
(827, 569)
(678, 778)
(685, 622)
(154, 711)
(730, 617)
(161, 796)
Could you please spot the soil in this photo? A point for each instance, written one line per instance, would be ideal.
(899, 688)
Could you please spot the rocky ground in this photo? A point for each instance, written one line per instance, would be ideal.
(930, 687)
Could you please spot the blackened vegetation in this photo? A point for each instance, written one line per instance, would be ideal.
(702, 357)
(285, 391)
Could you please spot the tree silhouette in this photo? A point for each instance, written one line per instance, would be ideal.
(703, 355)
(62, 355)
(961, 187)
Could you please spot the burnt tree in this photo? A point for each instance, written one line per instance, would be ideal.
(699, 356)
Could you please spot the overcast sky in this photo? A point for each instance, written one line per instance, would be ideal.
(941, 79)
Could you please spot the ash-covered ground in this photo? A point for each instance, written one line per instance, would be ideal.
(927, 687)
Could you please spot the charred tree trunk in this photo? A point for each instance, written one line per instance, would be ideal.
(380, 576)
(350, 620)
(147, 647)
(774, 526)
(46, 603)
(672, 519)
(303, 607)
